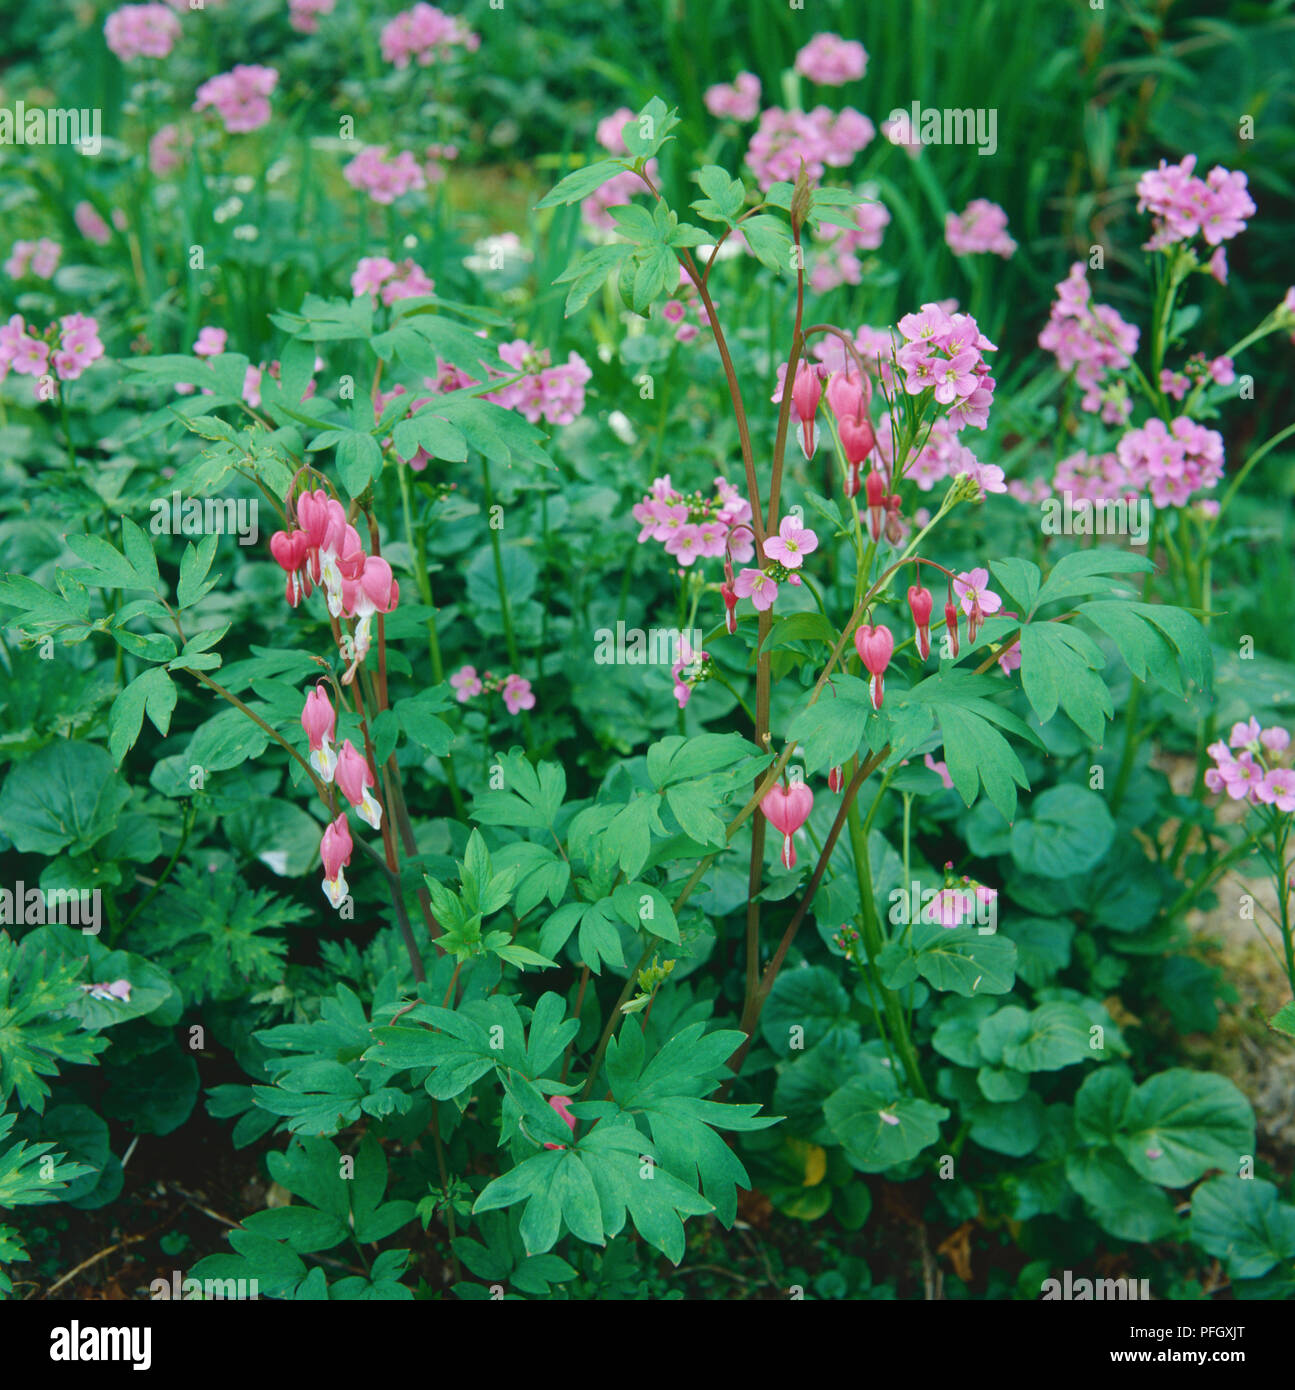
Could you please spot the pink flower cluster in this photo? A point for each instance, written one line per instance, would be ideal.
(141, 31)
(1171, 463)
(555, 394)
(839, 263)
(303, 15)
(1181, 205)
(832, 61)
(1260, 773)
(377, 275)
(822, 138)
(1090, 340)
(944, 352)
(425, 35)
(68, 347)
(326, 550)
(383, 179)
(786, 552)
(952, 906)
(240, 96)
(39, 258)
(692, 526)
(979, 229)
(942, 455)
(515, 689)
(1092, 478)
(1220, 370)
(675, 312)
(740, 99)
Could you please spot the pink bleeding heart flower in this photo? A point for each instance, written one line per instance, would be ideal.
(848, 397)
(787, 809)
(920, 604)
(354, 779)
(320, 723)
(562, 1104)
(875, 646)
(313, 514)
(335, 850)
(289, 548)
(730, 607)
(951, 626)
(835, 779)
(806, 392)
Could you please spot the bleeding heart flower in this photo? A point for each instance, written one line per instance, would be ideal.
(335, 850)
(951, 626)
(875, 646)
(920, 604)
(320, 723)
(289, 548)
(806, 392)
(787, 809)
(354, 779)
(835, 779)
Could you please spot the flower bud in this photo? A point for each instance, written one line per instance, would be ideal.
(920, 604)
(875, 491)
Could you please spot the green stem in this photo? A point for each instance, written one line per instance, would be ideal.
(873, 944)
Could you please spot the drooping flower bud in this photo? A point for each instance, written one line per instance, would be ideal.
(875, 491)
(806, 392)
(951, 625)
(894, 524)
(730, 607)
(875, 646)
(835, 779)
(920, 604)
